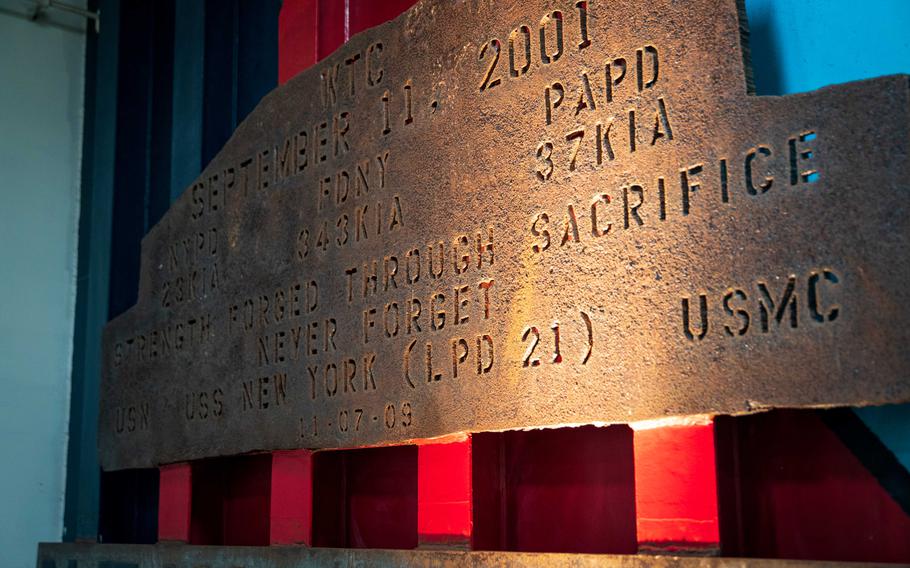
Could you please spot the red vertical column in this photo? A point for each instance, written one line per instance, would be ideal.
(297, 37)
(364, 14)
(175, 492)
(331, 26)
(676, 488)
(444, 494)
(291, 511)
(309, 30)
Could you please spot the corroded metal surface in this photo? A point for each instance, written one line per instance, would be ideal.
(499, 214)
(180, 556)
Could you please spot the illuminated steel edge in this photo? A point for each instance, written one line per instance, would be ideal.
(743, 253)
(181, 556)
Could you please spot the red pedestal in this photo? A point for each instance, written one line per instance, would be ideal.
(365, 498)
(793, 489)
(291, 509)
(174, 502)
(555, 490)
(444, 494)
(676, 489)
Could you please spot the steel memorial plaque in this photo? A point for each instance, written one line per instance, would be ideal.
(490, 215)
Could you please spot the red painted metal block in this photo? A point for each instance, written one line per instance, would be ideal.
(794, 490)
(676, 488)
(174, 502)
(231, 501)
(555, 490)
(291, 512)
(297, 37)
(365, 498)
(444, 493)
